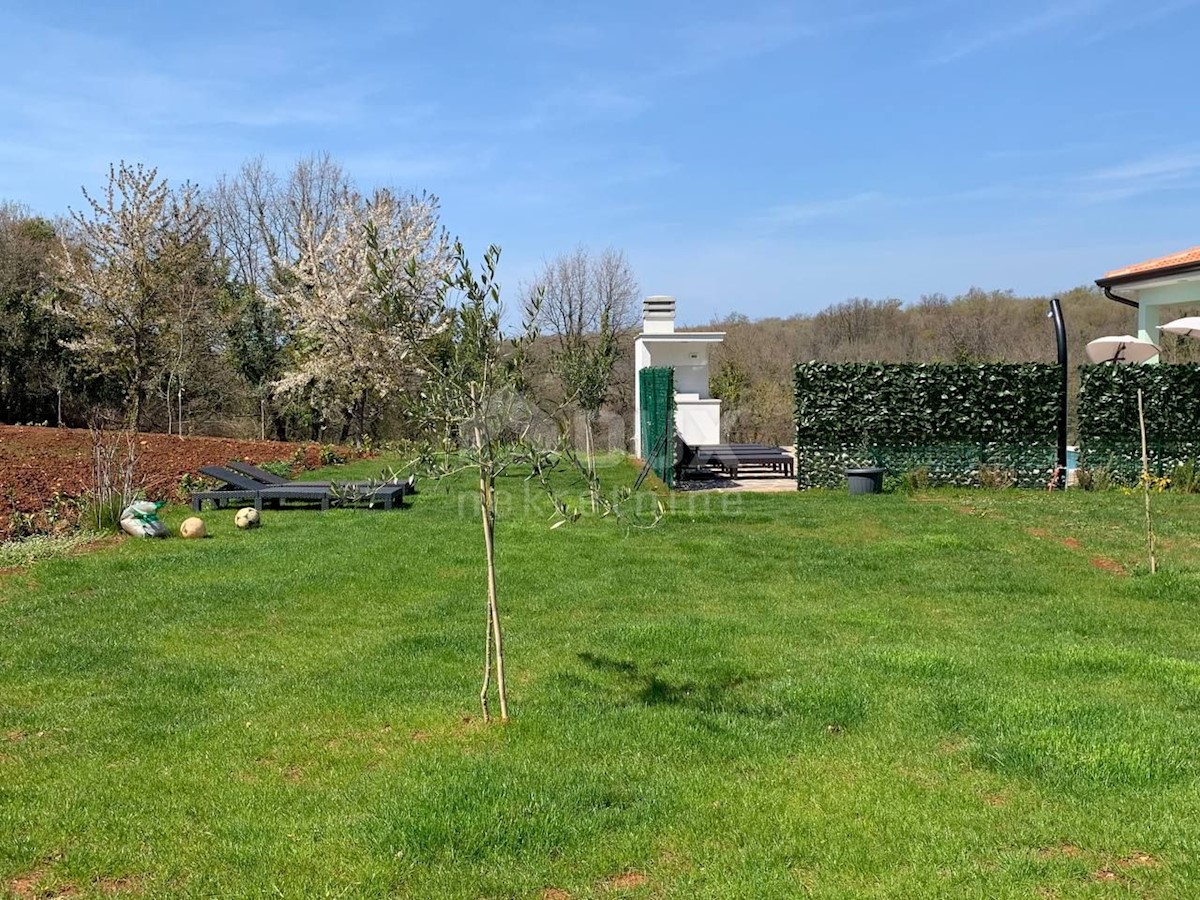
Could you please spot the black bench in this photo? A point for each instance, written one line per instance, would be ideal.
(242, 488)
(732, 458)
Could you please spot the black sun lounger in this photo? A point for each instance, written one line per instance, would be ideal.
(237, 488)
(242, 488)
(264, 477)
(270, 478)
(219, 498)
(348, 494)
(233, 481)
(734, 457)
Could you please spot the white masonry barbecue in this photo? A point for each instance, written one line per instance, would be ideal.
(697, 415)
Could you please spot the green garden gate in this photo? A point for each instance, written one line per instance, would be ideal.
(656, 387)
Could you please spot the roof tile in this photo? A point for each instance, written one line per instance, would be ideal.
(1182, 258)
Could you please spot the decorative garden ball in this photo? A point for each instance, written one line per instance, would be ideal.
(193, 528)
(247, 517)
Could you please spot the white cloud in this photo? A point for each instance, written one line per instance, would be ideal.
(1013, 29)
(580, 104)
(814, 210)
(1121, 23)
(1171, 170)
(1152, 168)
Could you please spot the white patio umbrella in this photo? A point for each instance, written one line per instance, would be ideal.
(1188, 326)
(1121, 348)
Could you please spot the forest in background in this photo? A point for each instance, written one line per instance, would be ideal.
(254, 307)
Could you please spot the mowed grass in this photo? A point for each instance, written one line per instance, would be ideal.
(955, 694)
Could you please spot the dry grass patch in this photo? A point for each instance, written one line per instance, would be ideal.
(626, 881)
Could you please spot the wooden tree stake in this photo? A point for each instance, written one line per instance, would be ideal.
(1146, 485)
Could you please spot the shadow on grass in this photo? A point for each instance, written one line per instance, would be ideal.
(647, 685)
(765, 702)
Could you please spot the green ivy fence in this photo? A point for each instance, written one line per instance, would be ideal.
(1109, 437)
(960, 424)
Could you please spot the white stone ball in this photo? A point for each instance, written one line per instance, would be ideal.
(193, 528)
(247, 517)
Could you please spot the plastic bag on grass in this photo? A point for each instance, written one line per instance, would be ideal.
(141, 519)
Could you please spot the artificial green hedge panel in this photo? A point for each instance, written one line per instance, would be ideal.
(951, 421)
(1109, 437)
(656, 386)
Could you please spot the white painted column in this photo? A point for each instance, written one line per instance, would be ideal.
(1147, 323)
(641, 359)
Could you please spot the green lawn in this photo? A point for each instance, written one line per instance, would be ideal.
(766, 696)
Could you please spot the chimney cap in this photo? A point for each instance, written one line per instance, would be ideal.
(658, 314)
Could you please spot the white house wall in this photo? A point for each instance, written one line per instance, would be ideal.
(698, 421)
(697, 416)
(690, 362)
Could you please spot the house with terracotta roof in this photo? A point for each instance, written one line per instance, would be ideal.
(1150, 285)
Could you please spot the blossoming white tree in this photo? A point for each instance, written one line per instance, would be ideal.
(351, 322)
(137, 269)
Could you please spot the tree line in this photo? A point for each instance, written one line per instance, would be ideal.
(284, 304)
(260, 303)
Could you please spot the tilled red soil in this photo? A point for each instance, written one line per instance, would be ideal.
(38, 465)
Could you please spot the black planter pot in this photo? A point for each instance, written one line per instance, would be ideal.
(865, 481)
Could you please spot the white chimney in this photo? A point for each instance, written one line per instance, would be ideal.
(658, 315)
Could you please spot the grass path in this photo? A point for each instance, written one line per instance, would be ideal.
(766, 696)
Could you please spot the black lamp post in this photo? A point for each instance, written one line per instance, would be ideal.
(1060, 332)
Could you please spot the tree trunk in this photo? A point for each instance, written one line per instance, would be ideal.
(170, 377)
(362, 414)
(135, 414)
(591, 457)
(138, 391)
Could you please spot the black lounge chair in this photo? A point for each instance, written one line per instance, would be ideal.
(732, 458)
(348, 493)
(270, 478)
(237, 488)
(264, 477)
(240, 488)
(220, 498)
(233, 481)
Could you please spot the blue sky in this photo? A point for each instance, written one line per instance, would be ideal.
(764, 158)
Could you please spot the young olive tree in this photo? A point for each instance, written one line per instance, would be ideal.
(472, 384)
(474, 389)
